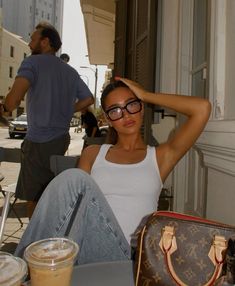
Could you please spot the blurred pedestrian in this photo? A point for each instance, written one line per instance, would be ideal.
(54, 92)
(90, 124)
(65, 57)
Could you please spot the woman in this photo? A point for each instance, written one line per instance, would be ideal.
(101, 205)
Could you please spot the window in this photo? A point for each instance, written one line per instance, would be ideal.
(199, 64)
(10, 72)
(12, 51)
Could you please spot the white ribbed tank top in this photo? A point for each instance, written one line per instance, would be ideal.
(132, 190)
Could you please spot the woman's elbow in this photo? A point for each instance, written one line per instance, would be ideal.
(206, 109)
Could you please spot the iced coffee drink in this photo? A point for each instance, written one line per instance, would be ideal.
(51, 261)
(13, 270)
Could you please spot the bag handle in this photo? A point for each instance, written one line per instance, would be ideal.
(168, 246)
(140, 256)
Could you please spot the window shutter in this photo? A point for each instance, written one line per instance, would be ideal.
(145, 55)
(135, 47)
(120, 38)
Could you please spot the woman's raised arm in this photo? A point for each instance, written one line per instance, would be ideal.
(196, 109)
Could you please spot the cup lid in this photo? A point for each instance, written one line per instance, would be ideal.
(51, 252)
(12, 269)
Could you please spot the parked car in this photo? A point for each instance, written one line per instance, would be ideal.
(18, 126)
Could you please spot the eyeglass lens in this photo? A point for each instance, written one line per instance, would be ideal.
(117, 112)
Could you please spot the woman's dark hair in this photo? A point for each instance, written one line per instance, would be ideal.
(112, 133)
(109, 88)
(48, 31)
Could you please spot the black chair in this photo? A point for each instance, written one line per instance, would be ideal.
(59, 163)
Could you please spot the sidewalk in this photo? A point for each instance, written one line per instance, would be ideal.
(13, 230)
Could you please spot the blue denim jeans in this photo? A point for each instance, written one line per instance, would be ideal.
(73, 206)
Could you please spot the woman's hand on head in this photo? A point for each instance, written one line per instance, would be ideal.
(136, 88)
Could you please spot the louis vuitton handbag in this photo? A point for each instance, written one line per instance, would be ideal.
(176, 249)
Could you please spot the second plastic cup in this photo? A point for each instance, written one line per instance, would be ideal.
(51, 261)
(12, 270)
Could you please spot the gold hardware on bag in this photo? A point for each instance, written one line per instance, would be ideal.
(217, 249)
(168, 241)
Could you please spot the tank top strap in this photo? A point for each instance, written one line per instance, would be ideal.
(151, 157)
(103, 151)
(151, 152)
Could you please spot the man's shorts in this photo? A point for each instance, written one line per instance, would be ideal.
(35, 173)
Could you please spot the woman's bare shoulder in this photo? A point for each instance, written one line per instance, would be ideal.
(92, 150)
(88, 157)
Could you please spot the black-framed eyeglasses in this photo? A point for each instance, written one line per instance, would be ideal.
(131, 107)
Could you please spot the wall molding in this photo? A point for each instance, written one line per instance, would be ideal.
(217, 143)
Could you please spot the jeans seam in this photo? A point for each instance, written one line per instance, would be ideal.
(73, 216)
(66, 216)
(113, 232)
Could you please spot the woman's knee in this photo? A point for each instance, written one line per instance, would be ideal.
(71, 182)
(73, 175)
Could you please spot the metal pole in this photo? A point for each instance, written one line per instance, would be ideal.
(96, 78)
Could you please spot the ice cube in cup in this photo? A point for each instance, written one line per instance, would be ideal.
(51, 261)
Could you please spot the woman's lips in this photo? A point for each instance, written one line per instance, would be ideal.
(129, 123)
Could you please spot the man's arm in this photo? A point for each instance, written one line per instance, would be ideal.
(16, 94)
(94, 131)
(83, 103)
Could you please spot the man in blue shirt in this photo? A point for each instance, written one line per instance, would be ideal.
(54, 92)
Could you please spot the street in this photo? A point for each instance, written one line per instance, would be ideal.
(11, 170)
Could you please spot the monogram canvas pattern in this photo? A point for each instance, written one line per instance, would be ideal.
(190, 261)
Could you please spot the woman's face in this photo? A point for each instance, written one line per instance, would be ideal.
(124, 111)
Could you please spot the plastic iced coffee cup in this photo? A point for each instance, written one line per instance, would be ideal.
(13, 270)
(51, 261)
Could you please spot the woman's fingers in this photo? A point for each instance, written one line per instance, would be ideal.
(134, 87)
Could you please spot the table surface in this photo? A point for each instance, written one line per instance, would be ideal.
(118, 273)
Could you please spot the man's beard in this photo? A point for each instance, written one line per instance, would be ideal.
(37, 50)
